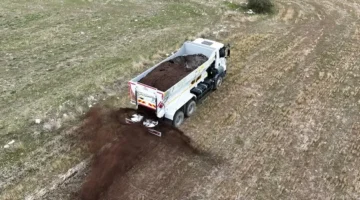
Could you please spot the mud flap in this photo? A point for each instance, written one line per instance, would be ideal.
(155, 132)
(227, 51)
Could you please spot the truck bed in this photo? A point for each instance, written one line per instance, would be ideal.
(172, 71)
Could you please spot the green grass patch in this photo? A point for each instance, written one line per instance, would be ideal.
(261, 6)
(235, 6)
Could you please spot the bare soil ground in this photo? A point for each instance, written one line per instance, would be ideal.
(285, 123)
(117, 147)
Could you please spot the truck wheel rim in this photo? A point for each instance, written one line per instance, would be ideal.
(179, 119)
(191, 108)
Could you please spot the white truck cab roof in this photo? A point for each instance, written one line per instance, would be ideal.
(211, 43)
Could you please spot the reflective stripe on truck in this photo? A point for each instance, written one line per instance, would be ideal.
(131, 93)
(149, 105)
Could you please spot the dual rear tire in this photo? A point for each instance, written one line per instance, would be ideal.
(180, 115)
(190, 106)
(178, 118)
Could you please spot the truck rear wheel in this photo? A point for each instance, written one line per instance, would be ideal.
(190, 108)
(178, 118)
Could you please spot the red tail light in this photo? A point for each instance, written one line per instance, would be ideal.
(161, 105)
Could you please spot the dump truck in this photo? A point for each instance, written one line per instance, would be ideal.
(172, 88)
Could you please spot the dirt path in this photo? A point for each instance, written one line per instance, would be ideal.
(286, 123)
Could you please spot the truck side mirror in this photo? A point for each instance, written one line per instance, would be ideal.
(228, 50)
(222, 52)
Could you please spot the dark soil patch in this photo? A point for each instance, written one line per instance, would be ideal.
(117, 147)
(170, 72)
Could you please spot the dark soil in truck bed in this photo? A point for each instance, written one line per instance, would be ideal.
(170, 72)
